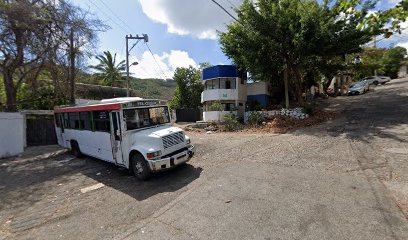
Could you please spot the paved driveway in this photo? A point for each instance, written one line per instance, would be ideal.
(346, 179)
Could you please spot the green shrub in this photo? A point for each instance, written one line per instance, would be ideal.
(216, 106)
(308, 110)
(231, 122)
(254, 119)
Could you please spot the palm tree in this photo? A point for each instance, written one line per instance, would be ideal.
(108, 72)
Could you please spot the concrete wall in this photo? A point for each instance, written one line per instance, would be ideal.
(12, 135)
(257, 88)
(216, 115)
(403, 72)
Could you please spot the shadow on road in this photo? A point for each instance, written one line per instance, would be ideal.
(25, 181)
(119, 179)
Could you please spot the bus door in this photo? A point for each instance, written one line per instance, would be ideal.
(116, 137)
(60, 131)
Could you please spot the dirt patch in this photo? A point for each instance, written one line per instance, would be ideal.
(280, 124)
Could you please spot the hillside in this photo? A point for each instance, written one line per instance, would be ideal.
(154, 88)
(146, 88)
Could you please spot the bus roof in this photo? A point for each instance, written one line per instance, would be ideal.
(110, 104)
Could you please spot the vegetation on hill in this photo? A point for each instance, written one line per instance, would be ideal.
(154, 88)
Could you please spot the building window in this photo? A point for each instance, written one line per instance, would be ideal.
(227, 84)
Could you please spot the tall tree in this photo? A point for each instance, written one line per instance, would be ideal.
(292, 37)
(392, 61)
(189, 87)
(108, 71)
(33, 34)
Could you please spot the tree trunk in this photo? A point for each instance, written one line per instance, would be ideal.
(299, 87)
(11, 93)
(285, 80)
(72, 67)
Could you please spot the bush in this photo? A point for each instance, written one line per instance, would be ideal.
(216, 106)
(254, 118)
(231, 122)
(308, 110)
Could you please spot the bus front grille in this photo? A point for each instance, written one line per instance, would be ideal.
(173, 139)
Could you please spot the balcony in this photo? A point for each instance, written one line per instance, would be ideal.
(219, 94)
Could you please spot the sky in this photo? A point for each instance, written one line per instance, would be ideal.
(181, 32)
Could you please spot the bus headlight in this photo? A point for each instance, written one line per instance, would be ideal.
(154, 154)
(188, 141)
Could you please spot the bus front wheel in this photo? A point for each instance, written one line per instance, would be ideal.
(140, 167)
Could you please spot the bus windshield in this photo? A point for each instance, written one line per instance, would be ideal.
(146, 117)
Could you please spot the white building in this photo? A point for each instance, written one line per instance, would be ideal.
(223, 84)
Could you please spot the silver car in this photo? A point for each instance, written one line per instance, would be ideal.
(376, 80)
(358, 88)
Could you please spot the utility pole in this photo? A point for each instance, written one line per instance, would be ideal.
(138, 38)
(72, 67)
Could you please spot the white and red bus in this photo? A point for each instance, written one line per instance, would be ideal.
(131, 132)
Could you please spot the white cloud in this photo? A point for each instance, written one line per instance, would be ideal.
(403, 44)
(388, 3)
(199, 18)
(395, 39)
(168, 62)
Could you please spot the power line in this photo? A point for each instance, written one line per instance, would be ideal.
(125, 30)
(107, 15)
(232, 5)
(225, 10)
(153, 69)
(157, 63)
(117, 17)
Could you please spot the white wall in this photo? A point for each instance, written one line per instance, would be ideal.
(403, 72)
(11, 134)
(216, 115)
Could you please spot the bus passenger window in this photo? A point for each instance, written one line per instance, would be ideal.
(85, 118)
(74, 120)
(101, 121)
(66, 120)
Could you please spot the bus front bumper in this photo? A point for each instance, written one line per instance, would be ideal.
(172, 161)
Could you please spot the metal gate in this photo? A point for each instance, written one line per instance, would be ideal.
(41, 131)
(188, 115)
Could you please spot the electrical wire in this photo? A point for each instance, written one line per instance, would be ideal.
(117, 17)
(157, 63)
(226, 11)
(232, 5)
(125, 30)
(107, 15)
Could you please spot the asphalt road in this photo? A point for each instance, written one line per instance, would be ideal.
(345, 179)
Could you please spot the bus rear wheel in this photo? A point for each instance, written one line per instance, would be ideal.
(140, 167)
(75, 149)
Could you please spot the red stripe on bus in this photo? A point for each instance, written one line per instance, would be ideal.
(88, 108)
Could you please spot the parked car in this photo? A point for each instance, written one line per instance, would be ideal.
(358, 88)
(376, 80)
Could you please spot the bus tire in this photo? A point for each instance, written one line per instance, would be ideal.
(75, 149)
(140, 167)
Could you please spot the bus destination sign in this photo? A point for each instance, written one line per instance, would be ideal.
(143, 104)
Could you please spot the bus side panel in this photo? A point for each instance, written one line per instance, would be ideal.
(96, 144)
